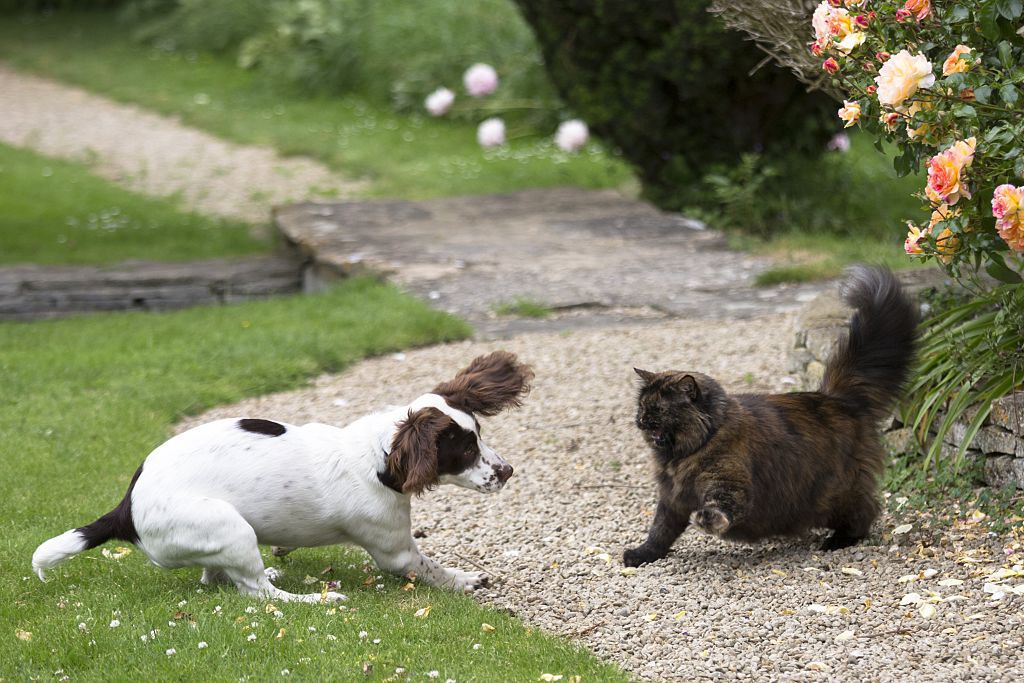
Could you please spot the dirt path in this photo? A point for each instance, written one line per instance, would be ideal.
(156, 154)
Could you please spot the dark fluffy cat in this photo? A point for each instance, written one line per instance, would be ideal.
(749, 466)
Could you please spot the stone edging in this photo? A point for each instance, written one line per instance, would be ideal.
(32, 292)
(1000, 440)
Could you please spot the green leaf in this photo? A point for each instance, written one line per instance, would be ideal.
(1008, 93)
(960, 13)
(998, 269)
(1009, 9)
(1018, 167)
(983, 94)
(1005, 53)
(964, 111)
(988, 21)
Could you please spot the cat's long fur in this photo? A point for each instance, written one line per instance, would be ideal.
(749, 466)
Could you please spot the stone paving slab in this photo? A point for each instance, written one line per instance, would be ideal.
(32, 291)
(571, 249)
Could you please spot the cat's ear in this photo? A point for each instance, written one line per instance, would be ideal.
(646, 376)
(688, 386)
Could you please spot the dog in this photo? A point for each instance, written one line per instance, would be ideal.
(210, 496)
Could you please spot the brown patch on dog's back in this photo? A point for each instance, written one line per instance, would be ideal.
(260, 426)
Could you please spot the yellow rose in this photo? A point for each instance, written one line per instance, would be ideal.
(850, 42)
(954, 64)
(850, 113)
(901, 76)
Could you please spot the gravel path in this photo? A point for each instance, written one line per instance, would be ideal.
(156, 154)
(774, 611)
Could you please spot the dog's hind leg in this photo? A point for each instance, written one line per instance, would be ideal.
(224, 544)
(212, 576)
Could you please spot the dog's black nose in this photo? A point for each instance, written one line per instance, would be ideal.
(504, 472)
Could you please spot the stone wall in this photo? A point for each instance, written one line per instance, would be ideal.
(31, 292)
(1000, 440)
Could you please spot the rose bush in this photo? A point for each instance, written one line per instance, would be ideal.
(941, 80)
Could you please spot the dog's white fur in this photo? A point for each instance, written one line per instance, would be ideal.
(209, 496)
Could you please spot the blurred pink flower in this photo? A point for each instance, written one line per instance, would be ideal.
(572, 135)
(491, 133)
(840, 142)
(480, 80)
(439, 102)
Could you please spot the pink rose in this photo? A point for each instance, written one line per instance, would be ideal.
(439, 102)
(491, 133)
(480, 80)
(571, 135)
(1008, 208)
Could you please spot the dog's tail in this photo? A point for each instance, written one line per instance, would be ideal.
(872, 362)
(116, 524)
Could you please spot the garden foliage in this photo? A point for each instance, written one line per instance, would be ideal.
(390, 50)
(674, 90)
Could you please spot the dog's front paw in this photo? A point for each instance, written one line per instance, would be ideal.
(467, 582)
(280, 550)
(642, 554)
(711, 519)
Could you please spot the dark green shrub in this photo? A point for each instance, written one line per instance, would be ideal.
(672, 88)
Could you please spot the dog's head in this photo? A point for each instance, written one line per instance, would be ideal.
(439, 442)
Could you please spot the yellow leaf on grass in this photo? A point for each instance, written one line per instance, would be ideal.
(486, 628)
(409, 586)
(23, 634)
(550, 677)
(422, 612)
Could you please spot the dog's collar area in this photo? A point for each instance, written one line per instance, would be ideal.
(387, 478)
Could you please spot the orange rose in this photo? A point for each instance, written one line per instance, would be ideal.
(945, 173)
(954, 64)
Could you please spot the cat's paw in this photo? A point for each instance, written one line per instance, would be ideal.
(634, 557)
(711, 520)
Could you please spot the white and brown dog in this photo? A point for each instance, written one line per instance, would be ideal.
(209, 496)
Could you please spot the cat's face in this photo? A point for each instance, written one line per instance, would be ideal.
(671, 413)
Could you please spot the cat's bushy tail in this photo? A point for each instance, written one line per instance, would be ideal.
(870, 365)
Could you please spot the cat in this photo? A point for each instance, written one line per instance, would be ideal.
(748, 466)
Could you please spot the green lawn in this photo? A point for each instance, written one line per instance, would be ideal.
(84, 399)
(403, 156)
(55, 211)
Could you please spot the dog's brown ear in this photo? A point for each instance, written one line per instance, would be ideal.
(488, 385)
(413, 459)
